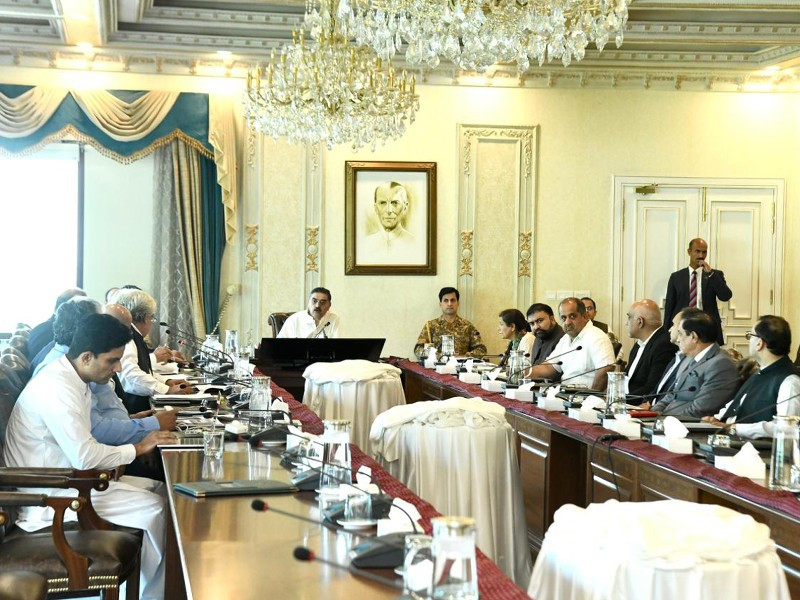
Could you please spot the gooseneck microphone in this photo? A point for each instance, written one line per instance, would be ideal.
(197, 341)
(307, 555)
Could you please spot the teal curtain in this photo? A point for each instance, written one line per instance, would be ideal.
(213, 241)
(189, 115)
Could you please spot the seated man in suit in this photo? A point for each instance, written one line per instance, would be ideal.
(773, 390)
(699, 286)
(545, 329)
(317, 321)
(50, 427)
(584, 356)
(591, 312)
(40, 339)
(707, 377)
(652, 351)
(136, 376)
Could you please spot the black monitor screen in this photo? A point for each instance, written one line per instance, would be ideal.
(298, 352)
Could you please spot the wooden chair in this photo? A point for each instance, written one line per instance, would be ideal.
(276, 321)
(22, 585)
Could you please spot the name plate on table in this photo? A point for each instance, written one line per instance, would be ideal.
(446, 369)
(519, 395)
(677, 445)
(630, 429)
(587, 416)
(470, 377)
(492, 385)
(546, 403)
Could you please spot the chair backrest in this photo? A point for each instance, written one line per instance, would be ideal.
(276, 321)
(19, 343)
(10, 382)
(17, 363)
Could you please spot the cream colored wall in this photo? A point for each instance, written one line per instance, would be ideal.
(586, 137)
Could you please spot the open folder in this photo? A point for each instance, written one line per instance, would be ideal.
(203, 489)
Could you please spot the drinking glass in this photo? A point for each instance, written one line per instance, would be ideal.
(336, 454)
(784, 464)
(213, 442)
(454, 568)
(448, 345)
(418, 565)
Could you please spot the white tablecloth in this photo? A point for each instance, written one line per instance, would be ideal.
(470, 472)
(657, 551)
(358, 401)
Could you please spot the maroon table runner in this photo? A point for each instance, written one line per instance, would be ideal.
(492, 582)
(684, 464)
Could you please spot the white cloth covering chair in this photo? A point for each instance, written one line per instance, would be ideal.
(657, 551)
(356, 390)
(460, 455)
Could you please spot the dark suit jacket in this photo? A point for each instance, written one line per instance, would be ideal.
(715, 380)
(601, 326)
(39, 337)
(714, 288)
(657, 354)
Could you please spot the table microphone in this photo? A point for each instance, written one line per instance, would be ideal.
(304, 554)
(385, 552)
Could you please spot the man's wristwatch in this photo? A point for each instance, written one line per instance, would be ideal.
(732, 429)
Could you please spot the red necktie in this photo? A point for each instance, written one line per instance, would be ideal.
(693, 290)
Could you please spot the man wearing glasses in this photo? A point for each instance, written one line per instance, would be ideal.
(773, 390)
(707, 377)
(317, 321)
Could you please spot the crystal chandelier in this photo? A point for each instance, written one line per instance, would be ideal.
(474, 34)
(329, 90)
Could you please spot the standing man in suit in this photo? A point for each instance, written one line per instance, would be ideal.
(707, 378)
(698, 287)
(653, 350)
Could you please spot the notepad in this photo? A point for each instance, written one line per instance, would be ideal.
(203, 489)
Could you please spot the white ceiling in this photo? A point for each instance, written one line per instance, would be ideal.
(704, 43)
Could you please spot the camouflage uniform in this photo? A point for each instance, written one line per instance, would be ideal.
(467, 338)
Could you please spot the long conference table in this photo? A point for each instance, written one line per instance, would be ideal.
(222, 548)
(562, 462)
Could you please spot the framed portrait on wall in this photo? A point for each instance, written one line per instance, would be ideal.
(390, 218)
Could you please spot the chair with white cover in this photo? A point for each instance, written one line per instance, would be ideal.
(460, 455)
(356, 390)
(657, 551)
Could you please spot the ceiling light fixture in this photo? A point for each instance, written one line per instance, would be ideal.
(329, 91)
(474, 34)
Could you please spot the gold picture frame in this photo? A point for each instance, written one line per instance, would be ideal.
(390, 218)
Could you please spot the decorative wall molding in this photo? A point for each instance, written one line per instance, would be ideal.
(251, 247)
(312, 248)
(519, 197)
(465, 254)
(525, 254)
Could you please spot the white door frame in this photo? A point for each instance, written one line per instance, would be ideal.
(617, 260)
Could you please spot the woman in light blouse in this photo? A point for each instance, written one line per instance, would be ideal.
(515, 328)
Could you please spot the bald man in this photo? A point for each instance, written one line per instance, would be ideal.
(653, 349)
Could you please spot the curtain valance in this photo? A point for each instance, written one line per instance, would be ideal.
(123, 125)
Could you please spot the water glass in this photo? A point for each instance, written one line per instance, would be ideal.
(418, 565)
(784, 465)
(257, 420)
(336, 454)
(448, 345)
(231, 341)
(454, 567)
(615, 394)
(212, 469)
(261, 394)
(358, 506)
(213, 442)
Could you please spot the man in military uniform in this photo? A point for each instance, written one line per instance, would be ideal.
(467, 338)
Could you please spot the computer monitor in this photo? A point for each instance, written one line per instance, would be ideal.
(301, 352)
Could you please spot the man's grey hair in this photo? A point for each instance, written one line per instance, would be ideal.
(139, 302)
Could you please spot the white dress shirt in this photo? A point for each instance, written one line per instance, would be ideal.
(596, 352)
(50, 426)
(136, 381)
(301, 325)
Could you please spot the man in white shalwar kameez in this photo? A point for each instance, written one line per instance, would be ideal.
(50, 426)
